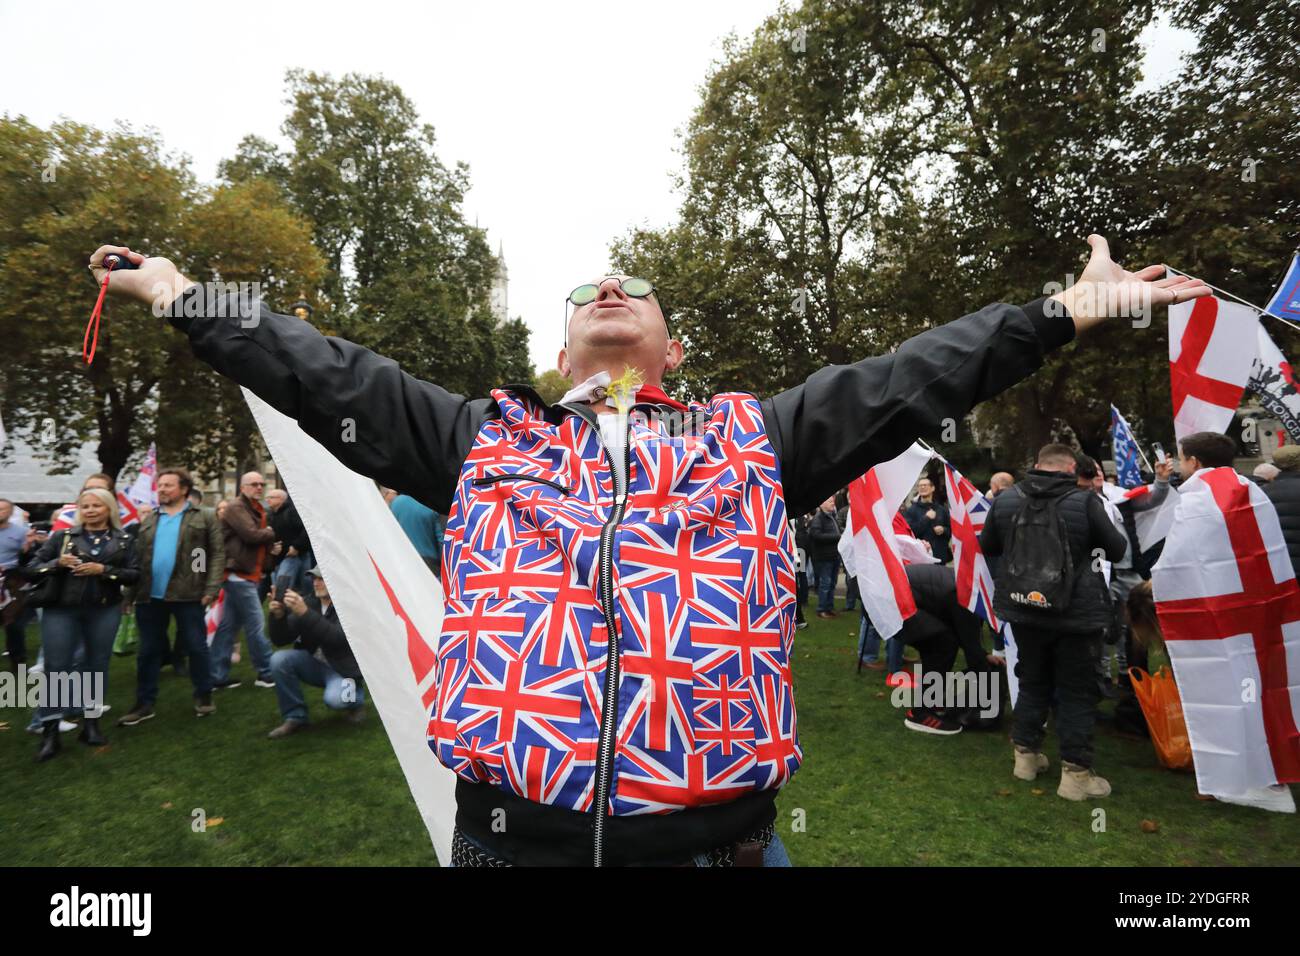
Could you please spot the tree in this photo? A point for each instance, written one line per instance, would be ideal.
(406, 274)
(552, 386)
(66, 189)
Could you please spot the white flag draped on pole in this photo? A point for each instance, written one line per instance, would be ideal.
(1212, 348)
(1229, 608)
(389, 604)
(1273, 381)
(869, 545)
(143, 492)
(1151, 525)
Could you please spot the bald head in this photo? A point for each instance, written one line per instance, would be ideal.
(615, 332)
(251, 485)
(1000, 482)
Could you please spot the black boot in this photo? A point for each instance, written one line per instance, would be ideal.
(49, 741)
(90, 733)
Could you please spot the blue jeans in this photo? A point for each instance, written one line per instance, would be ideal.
(869, 647)
(65, 630)
(292, 573)
(243, 609)
(294, 667)
(826, 572)
(191, 634)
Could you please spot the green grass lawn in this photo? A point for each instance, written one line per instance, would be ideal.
(870, 791)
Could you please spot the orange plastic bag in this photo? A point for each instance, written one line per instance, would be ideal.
(1158, 695)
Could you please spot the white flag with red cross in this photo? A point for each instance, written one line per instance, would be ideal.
(1229, 607)
(869, 544)
(1212, 349)
(388, 602)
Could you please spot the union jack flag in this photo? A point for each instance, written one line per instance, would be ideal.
(967, 511)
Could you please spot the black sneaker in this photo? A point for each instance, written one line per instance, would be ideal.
(203, 705)
(230, 684)
(928, 722)
(137, 715)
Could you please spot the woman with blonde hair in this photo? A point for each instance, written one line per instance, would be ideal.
(85, 568)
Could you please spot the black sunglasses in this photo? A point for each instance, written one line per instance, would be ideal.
(586, 293)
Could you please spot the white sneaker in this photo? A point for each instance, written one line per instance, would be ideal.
(1276, 798)
(37, 668)
(64, 727)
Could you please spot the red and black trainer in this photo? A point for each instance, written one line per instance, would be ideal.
(928, 722)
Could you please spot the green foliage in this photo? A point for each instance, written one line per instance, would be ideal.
(406, 274)
(64, 191)
(907, 164)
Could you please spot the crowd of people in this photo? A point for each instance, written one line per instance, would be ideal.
(193, 578)
(1058, 526)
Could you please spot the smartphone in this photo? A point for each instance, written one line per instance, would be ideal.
(1159, 449)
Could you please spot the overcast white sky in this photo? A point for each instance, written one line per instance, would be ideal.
(503, 84)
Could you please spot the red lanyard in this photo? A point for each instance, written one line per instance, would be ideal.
(86, 339)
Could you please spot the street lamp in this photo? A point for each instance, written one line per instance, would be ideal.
(302, 308)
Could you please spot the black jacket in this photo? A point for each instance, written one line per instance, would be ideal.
(934, 589)
(289, 529)
(923, 527)
(1088, 527)
(316, 631)
(100, 590)
(414, 435)
(1284, 492)
(824, 534)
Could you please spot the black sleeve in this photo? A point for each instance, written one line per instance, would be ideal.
(125, 569)
(372, 416)
(1104, 533)
(279, 630)
(846, 418)
(990, 536)
(320, 631)
(46, 560)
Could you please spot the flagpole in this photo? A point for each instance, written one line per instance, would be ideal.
(1271, 315)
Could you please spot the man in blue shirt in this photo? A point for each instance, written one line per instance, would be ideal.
(182, 563)
(423, 526)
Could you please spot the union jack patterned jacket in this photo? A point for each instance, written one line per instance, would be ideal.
(621, 651)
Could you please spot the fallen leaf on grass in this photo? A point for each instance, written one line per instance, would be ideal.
(1037, 792)
(4, 725)
(1150, 826)
(215, 822)
(102, 750)
(1004, 793)
(880, 695)
(168, 805)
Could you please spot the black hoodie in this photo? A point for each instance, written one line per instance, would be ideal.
(1088, 527)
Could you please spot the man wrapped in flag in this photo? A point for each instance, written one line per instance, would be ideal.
(1229, 607)
(614, 665)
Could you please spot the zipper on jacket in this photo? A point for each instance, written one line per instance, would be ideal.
(494, 479)
(609, 705)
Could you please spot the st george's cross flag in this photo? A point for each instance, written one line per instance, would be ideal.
(869, 544)
(389, 603)
(1212, 348)
(1229, 608)
(967, 511)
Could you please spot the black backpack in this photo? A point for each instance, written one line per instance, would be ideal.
(1038, 568)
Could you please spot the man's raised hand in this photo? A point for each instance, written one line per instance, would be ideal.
(156, 283)
(1106, 289)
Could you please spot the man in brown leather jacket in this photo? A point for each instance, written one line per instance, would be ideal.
(248, 541)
